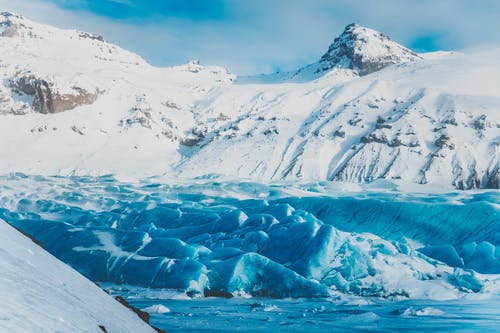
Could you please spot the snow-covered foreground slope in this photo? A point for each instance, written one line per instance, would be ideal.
(225, 239)
(38, 293)
(72, 103)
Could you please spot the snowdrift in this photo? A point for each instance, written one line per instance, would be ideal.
(41, 294)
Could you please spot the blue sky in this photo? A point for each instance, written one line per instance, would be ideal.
(253, 36)
(149, 9)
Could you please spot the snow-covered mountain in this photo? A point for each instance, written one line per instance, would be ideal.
(360, 50)
(41, 294)
(73, 103)
(365, 51)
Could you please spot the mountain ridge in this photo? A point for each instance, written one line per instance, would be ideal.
(375, 111)
(365, 50)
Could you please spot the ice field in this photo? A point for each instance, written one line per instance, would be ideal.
(315, 315)
(290, 246)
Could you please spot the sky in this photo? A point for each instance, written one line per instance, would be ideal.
(261, 36)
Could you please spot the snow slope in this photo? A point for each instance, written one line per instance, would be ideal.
(38, 293)
(72, 103)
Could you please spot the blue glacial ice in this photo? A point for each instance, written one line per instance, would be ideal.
(223, 238)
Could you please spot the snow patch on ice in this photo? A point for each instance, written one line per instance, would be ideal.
(158, 308)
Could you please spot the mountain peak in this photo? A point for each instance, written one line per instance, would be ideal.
(11, 15)
(11, 25)
(365, 51)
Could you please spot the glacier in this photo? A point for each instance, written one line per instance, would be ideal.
(217, 237)
(331, 194)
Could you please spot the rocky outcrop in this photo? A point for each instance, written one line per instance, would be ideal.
(140, 113)
(144, 316)
(88, 35)
(11, 25)
(46, 97)
(492, 178)
(365, 51)
(195, 136)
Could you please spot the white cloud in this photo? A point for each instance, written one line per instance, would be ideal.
(260, 35)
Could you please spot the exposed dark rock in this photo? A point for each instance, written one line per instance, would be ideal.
(169, 134)
(373, 138)
(380, 137)
(451, 121)
(480, 123)
(443, 142)
(172, 105)
(272, 130)
(141, 314)
(145, 121)
(355, 121)
(381, 126)
(222, 117)
(190, 141)
(197, 135)
(88, 35)
(469, 184)
(77, 130)
(339, 133)
(12, 25)
(349, 51)
(141, 113)
(9, 27)
(493, 179)
(381, 123)
(48, 100)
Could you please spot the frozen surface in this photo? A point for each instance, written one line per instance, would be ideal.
(222, 238)
(317, 315)
(38, 293)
